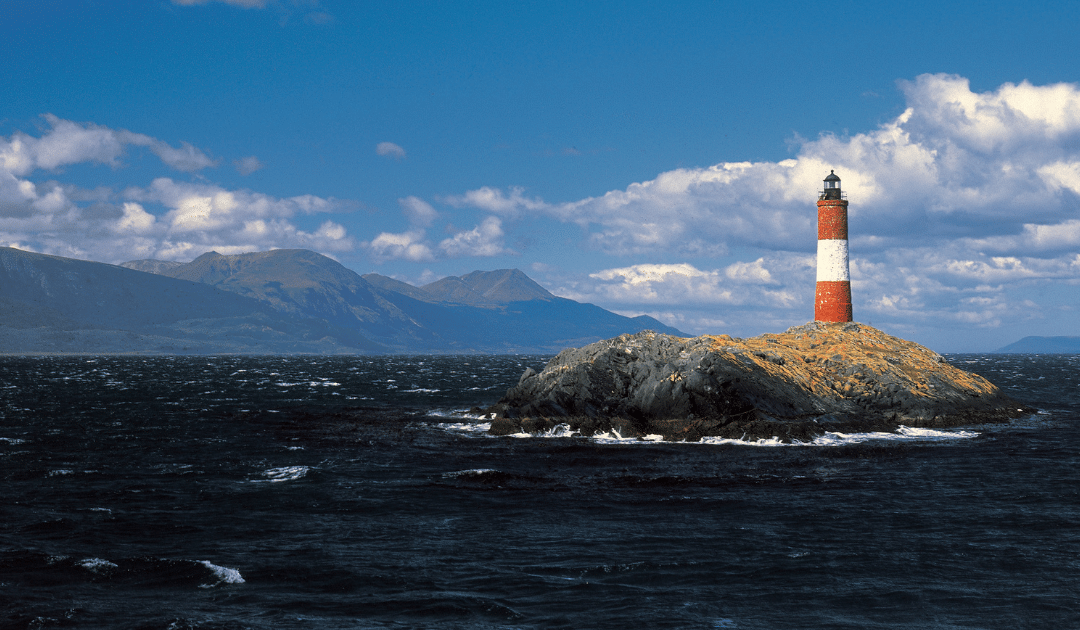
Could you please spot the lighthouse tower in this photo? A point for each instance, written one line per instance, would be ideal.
(833, 300)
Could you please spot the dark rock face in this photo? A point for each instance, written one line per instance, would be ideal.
(796, 385)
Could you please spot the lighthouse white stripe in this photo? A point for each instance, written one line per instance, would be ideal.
(832, 260)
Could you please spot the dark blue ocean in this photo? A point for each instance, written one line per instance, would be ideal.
(359, 492)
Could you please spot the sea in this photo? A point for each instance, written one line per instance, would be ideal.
(181, 492)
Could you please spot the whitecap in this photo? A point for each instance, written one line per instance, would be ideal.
(771, 441)
(902, 433)
(557, 431)
(223, 574)
(459, 413)
(830, 438)
(285, 473)
(97, 565)
(466, 427)
(615, 437)
(472, 472)
(11, 440)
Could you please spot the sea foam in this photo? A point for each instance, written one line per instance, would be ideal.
(285, 473)
(97, 565)
(830, 438)
(224, 575)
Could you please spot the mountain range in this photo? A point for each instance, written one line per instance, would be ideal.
(1043, 345)
(283, 301)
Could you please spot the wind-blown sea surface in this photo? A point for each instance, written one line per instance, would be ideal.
(359, 492)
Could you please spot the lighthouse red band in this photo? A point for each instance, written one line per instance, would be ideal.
(833, 300)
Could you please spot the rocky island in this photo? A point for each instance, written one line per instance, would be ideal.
(797, 385)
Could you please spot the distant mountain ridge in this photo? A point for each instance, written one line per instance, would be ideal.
(1043, 345)
(481, 288)
(54, 304)
(283, 301)
(298, 282)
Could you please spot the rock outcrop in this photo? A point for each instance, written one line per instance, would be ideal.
(812, 378)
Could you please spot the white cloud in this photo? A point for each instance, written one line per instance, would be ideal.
(954, 162)
(135, 219)
(496, 201)
(684, 284)
(410, 245)
(67, 142)
(419, 212)
(946, 112)
(187, 158)
(390, 149)
(202, 216)
(752, 272)
(964, 197)
(167, 219)
(403, 246)
(248, 165)
(483, 240)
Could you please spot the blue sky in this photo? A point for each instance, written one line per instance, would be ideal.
(658, 158)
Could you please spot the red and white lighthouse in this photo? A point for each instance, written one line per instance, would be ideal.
(833, 300)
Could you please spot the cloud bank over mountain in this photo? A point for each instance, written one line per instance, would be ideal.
(166, 219)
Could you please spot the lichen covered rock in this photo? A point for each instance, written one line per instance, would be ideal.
(794, 385)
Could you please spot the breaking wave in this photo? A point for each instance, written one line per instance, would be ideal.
(830, 438)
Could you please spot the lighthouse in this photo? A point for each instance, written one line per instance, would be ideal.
(833, 300)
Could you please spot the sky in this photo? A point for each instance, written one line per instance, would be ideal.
(659, 158)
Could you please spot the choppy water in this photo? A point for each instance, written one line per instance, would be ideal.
(353, 492)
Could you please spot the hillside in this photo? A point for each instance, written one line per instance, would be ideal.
(284, 301)
(54, 304)
(483, 311)
(1043, 345)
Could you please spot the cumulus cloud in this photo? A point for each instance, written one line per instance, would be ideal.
(168, 219)
(419, 212)
(390, 149)
(985, 164)
(682, 283)
(67, 142)
(497, 202)
(200, 217)
(409, 245)
(485, 239)
(962, 192)
(248, 165)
